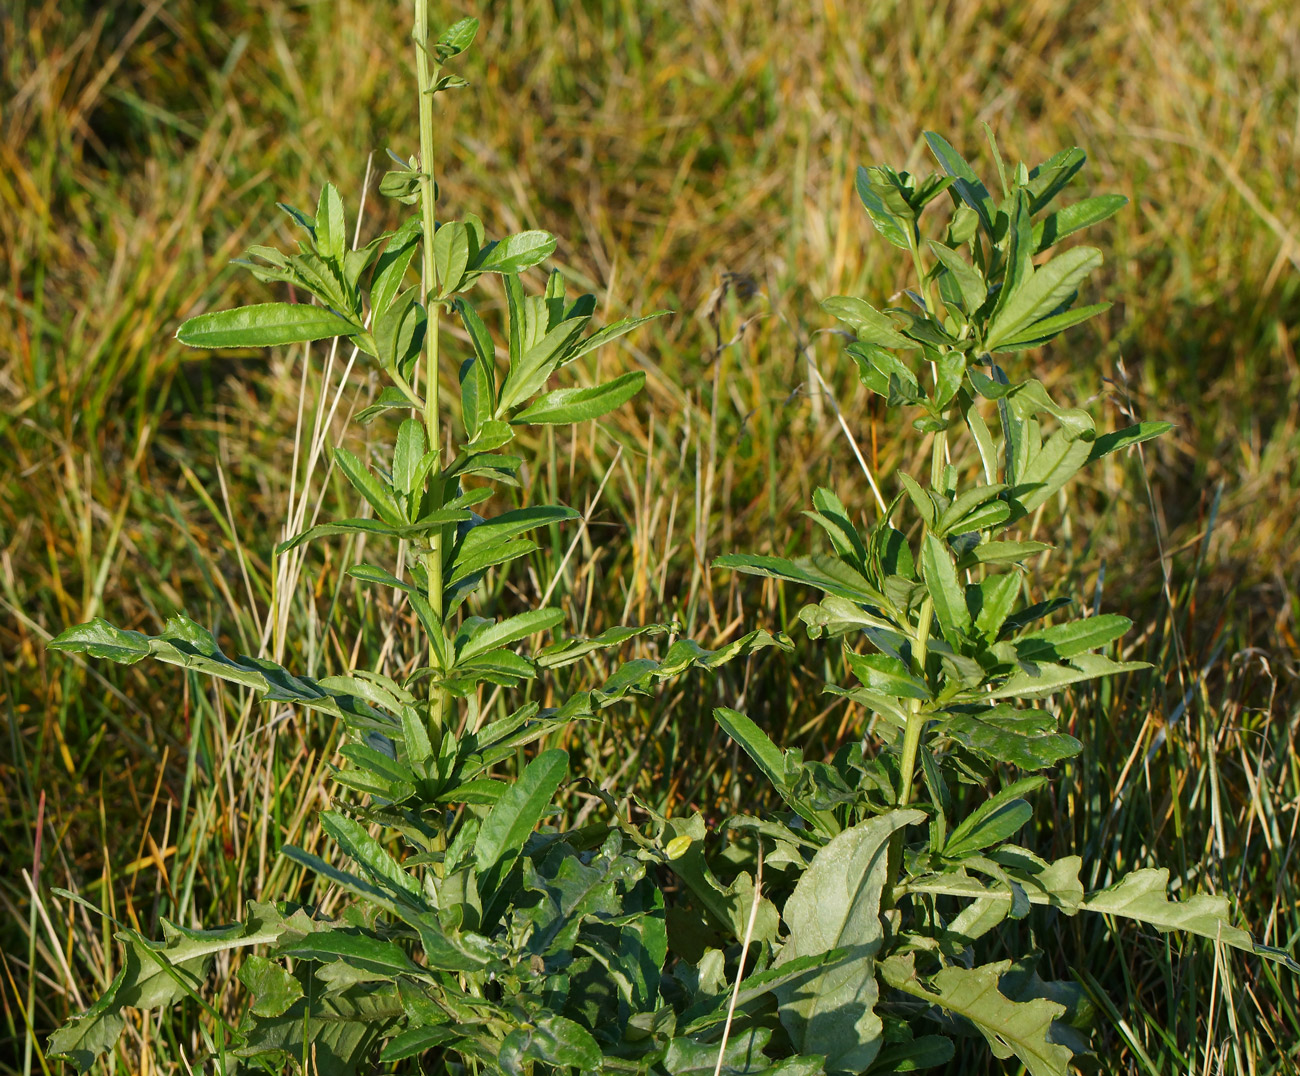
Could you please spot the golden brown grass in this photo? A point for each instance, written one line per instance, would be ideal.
(142, 145)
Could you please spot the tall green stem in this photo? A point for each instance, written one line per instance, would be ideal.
(916, 718)
(425, 75)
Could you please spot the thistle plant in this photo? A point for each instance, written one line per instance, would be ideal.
(897, 894)
(470, 938)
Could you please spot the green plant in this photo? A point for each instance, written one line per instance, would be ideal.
(958, 657)
(470, 933)
(478, 936)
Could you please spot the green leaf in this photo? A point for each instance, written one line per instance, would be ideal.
(1026, 739)
(514, 816)
(1041, 679)
(156, 974)
(965, 182)
(564, 406)
(995, 820)
(1143, 895)
(827, 574)
(887, 224)
(450, 256)
(1072, 218)
(1041, 331)
(836, 906)
(940, 573)
(264, 325)
(369, 526)
(870, 324)
(456, 39)
(377, 493)
(1051, 285)
(757, 744)
(84, 1037)
(185, 643)
(337, 1031)
(399, 331)
(371, 856)
(483, 637)
(273, 988)
(390, 269)
(478, 374)
(743, 1056)
(611, 333)
(551, 1040)
(1001, 553)
(515, 253)
(974, 290)
(887, 675)
(358, 950)
(1063, 641)
(408, 454)
(1107, 443)
(1010, 1027)
(331, 232)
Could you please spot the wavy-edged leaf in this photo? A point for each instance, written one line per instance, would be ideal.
(1022, 1028)
(1144, 896)
(185, 643)
(1040, 679)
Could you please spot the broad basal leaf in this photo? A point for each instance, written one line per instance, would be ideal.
(836, 905)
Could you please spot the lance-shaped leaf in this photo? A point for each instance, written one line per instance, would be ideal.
(478, 636)
(264, 325)
(565, 406)
(1049, 286)
(514, 816)
(610, 333)
(1107, 443)
(1072, 218)
(965, 182)
(836, 905)
(1022, 1028)
(940, 572)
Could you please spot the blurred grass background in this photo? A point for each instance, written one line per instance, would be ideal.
(667, 145)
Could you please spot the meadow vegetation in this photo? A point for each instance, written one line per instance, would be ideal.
(698, 158)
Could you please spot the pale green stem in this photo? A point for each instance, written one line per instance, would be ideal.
(425, 80)
(915, 719)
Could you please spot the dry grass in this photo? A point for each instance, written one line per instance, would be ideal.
(142, 145)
